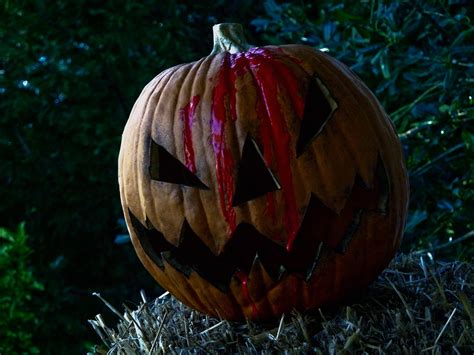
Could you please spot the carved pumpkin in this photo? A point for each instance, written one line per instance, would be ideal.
(258, 180)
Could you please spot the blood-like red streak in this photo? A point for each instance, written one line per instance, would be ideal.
(187, 116)
(223, 95)
(273, 79)
(244, 279)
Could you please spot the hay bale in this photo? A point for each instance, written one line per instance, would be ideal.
(414, 306)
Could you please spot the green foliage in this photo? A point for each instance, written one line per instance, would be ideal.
(417, 58)
(17, 288)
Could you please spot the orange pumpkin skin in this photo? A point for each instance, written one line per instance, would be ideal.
(262, 181)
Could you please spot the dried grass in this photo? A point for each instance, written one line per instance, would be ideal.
(414, 307)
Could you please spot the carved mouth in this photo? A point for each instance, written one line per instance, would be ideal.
(247, 246)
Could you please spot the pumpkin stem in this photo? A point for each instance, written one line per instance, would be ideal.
(229, 37)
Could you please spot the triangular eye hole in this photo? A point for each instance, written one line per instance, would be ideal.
(165, 167)
(152, 241)
(319, 107)
(254, 178)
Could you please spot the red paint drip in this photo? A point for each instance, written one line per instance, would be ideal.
(223, 95)
(244, 278)
(187, 116)
(272, 77)
(266, 138)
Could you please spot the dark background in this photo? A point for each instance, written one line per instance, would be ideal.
(70, 72)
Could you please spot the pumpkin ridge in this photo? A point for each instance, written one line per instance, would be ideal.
(156, 218)
(364, 95)
(221, 301)
(392, 150)
(221, 105)
(192, 296)
(206, 215)
(328, 187)
(268, 153)
(190, 80)
(316, 157)
(293, 58)
(122, 155)
(403, 185)
(184, 90)
(319, 59)
(179, 125)
(136, 171)
(188, 116)
(324, 61)
(271, 106)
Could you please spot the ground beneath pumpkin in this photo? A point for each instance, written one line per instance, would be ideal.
(415, 305)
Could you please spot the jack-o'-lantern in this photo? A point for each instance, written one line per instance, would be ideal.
(260, 180)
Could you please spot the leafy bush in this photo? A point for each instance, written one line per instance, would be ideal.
(17, 287)
(417, 58)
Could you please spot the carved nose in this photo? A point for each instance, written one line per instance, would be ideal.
(254, 178)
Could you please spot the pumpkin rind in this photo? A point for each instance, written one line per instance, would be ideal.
(338, 169)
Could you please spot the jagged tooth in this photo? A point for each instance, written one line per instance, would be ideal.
(281, 272)
(172, 258)
(148, 224)
(314, 262)
(275, 274)
(360, 182)
(159, 262)
(174, 262)
(256, 266)
(272, 270)
(187, 232)
(151, 240)
(221, 284)
(256, 261)
(350, 231)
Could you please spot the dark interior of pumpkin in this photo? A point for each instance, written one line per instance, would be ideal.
(317, 112)
(165, 167)
(247, 247)
(254, 178)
